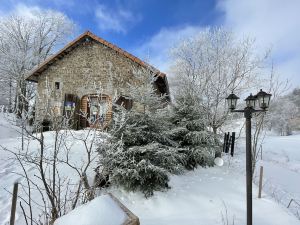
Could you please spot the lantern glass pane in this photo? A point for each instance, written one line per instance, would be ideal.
(253, 103)
(234, 103)
(268, 100)
(261, 100)
(250, 103)
(231, 103)
(264, 101)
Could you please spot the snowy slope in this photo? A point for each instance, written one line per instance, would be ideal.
(281, 162)
(197, 197)
(8, 136)
(7, 128)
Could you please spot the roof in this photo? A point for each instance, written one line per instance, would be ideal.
(33, 75)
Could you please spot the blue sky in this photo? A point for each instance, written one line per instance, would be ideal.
(149, 28)
(127, 23)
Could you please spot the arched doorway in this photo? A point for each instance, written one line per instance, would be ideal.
(96, 110)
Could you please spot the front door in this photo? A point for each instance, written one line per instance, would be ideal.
(97, 111)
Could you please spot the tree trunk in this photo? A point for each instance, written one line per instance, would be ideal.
(215, 129)
(22, 104)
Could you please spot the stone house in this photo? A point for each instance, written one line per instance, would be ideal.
(88, 75)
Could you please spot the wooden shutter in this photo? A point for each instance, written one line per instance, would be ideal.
(125, 102)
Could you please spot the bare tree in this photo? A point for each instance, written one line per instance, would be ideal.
(212, 64)
(278, 87)
(24, 43)
(49, 192)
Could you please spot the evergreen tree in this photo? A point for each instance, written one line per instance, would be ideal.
(139, 154)
(191, 130)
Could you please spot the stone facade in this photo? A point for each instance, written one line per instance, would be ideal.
(89, 67)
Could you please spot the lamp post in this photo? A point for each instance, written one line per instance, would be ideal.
(263, 100)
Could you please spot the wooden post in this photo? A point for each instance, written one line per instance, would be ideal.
(260, 181)
(225, 142)
(14, 204)
(232, 144)
(228, 143)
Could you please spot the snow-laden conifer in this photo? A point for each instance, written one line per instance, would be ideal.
(191, 130)
(139, 155)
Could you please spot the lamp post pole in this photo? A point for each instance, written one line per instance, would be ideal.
(248, 116)
(263, 99)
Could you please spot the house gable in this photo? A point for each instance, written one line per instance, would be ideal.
(33, 75)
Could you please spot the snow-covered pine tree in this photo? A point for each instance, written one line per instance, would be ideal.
(191, 130)
(139, 155)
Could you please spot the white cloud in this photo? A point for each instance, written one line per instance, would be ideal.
(23, 11)
(273, 23)
(156, 50)
(117, 20)
(26, 11)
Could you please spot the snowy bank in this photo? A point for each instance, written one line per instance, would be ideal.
(102, 210)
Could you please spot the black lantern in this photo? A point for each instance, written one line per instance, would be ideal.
(250, 101)
(263, 99)
(232, 101)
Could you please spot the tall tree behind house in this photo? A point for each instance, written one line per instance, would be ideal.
(24, 43)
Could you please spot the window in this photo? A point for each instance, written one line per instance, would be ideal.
(124, 101)
(57, 85)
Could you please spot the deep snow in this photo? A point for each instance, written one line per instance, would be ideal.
(197, 197)
(201, 197)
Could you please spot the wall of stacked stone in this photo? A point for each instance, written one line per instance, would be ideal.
(88, 69)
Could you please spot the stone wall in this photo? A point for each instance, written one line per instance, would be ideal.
(88, 69)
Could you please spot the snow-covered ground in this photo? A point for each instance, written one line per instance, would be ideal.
(281, 162)
(197, 197)
(202, 197)
(10, 168)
